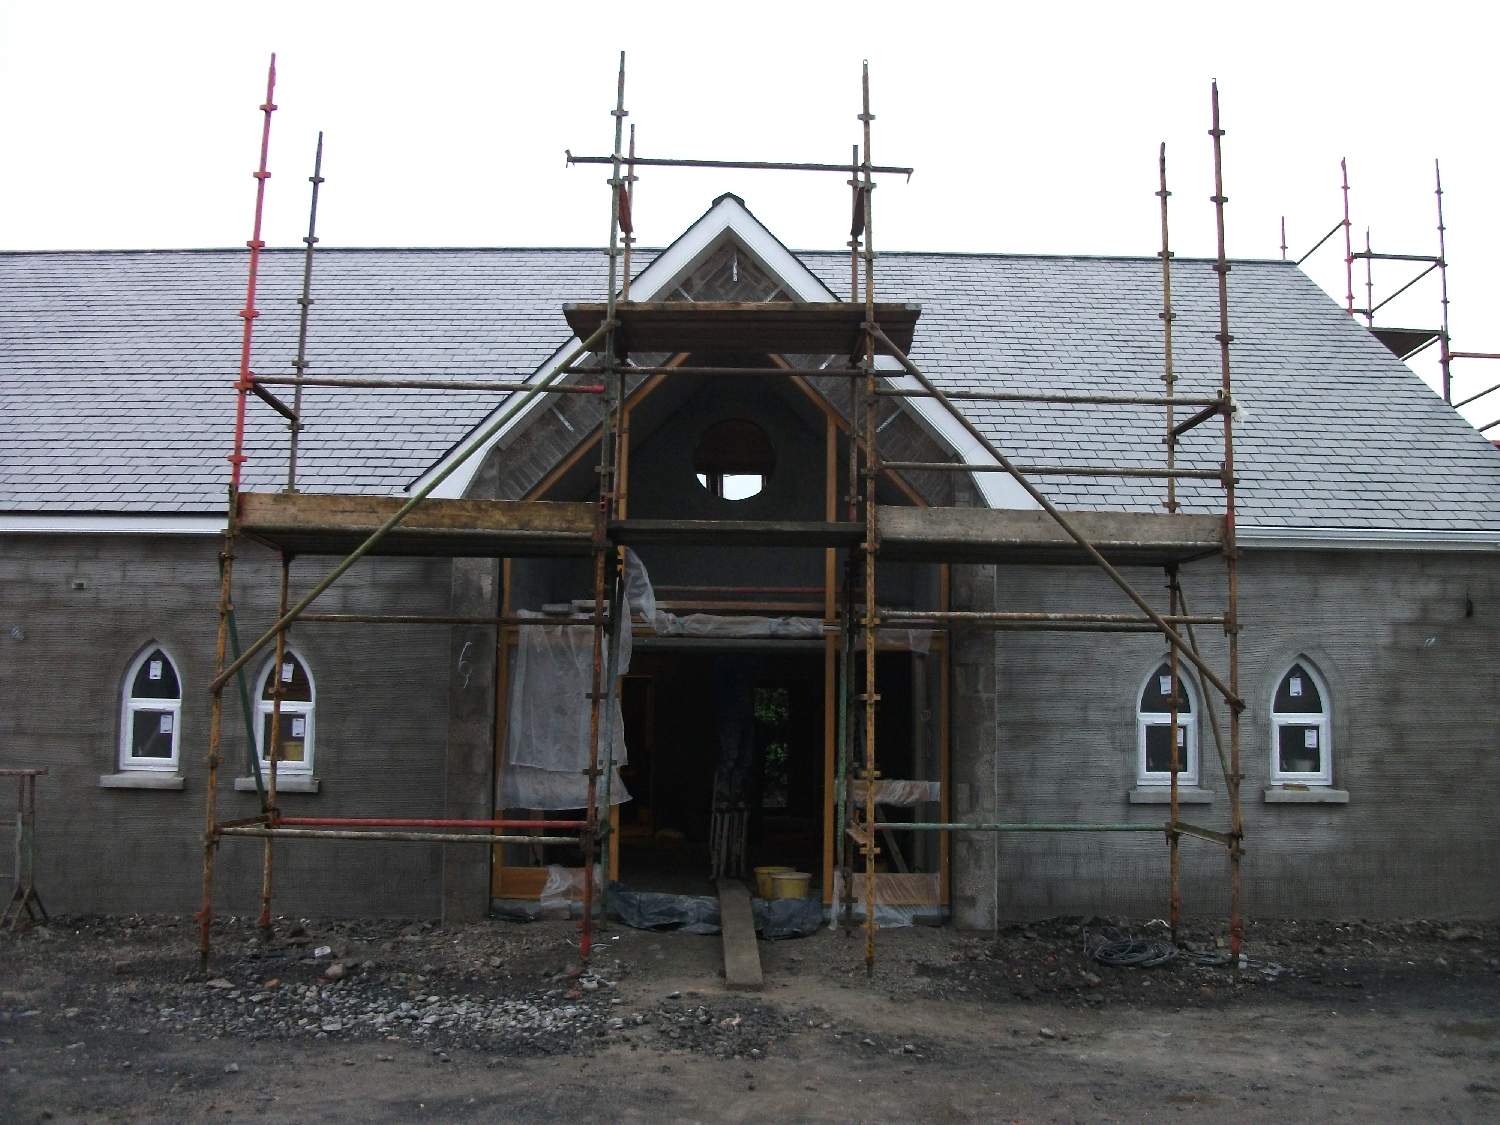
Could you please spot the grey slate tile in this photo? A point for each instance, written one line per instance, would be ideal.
(117, 371)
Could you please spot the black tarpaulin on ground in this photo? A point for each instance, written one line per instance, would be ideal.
(775, 919)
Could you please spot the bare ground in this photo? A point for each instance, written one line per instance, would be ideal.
(108, 1020)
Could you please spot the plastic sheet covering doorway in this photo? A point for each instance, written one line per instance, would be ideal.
(547, 735)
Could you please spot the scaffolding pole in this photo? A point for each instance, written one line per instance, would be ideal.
(600, 715)
(864, 832)
(1231, 553)
(268, 825)
(304, 303)
(243, 388)
(872, 530)
(857, 824)
(1167, 316)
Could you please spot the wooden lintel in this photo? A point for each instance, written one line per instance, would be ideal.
(304, 523)
(762, 328)
(999, 535)
(735, 533)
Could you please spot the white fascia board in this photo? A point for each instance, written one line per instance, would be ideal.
(1365, 539)
(95, 523)
(703, 238)
(456, 486)
(999, 490)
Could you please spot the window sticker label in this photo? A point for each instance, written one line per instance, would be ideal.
(153, 670)
(286, 672)
(1166, 685)
(1182, 736)
(1310, 738)
(1295, 688)
(299, 728)
(166, 724)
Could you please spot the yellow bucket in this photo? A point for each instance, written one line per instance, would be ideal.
(790, 884)
(763, 888)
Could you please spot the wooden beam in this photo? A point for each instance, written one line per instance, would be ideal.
(742, 970)
(320, 524)
(760, 327)
(735, 533)
(998, 535)
(311, 524)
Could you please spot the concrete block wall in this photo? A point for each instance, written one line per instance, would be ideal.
(972, 751)
(1415, 730)
(468, 779)
(382, 723)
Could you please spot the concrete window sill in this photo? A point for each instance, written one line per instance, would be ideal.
(142, 779)
(1313, 795)
(285, 783)
(1162, 795)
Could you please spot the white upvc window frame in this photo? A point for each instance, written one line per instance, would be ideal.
(1320, 721)
(132, 705)
(1187, 727)
(303, 709)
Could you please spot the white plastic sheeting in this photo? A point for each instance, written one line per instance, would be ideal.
(917, 640)
(565, 885)
(899, 899)
(642, 599)
(547, 724)
(715, 625)
(899, 794)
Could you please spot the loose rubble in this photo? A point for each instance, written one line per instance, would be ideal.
(1053, 961)
(108, 1018)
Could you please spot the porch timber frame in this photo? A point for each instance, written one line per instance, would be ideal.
(861, 330)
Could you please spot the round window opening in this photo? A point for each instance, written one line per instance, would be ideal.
(734, 459)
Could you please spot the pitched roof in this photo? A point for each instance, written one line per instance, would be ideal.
(117, 370)
(1339, 434)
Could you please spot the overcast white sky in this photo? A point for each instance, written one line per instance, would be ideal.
(1032, 128)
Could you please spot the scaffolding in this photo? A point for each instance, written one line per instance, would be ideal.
(870, 341)
(1403, 343)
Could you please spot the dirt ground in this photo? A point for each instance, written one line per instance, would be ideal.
(108, 1020)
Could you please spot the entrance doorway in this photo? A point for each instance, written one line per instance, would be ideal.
(672, 730)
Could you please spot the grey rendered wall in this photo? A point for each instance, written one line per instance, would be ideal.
(382, 718)
(468, 790)
(1415, 733)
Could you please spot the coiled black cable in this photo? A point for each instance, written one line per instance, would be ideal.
(1144, 953)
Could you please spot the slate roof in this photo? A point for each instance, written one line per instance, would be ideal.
(116, 373)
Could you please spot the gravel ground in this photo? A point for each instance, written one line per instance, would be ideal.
(385, 1023)
(500, 989)
(1054, 961)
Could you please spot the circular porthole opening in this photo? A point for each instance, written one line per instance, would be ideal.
(734, 459)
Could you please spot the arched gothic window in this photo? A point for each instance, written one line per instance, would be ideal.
(151, 713)
(1154, 729)
(297, 715)
(1301, 751)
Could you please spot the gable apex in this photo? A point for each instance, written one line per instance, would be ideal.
(727, 220)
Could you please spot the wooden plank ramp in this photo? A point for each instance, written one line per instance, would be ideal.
(741, 954)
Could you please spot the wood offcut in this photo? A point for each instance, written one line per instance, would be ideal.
(742, 972)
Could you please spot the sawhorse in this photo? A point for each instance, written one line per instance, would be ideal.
(23, 897)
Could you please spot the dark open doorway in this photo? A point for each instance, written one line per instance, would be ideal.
(673, 734)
